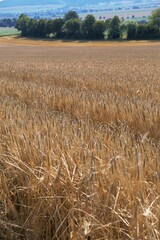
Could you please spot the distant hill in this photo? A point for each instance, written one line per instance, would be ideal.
(54, 8)
(76, 3)
(10, 3)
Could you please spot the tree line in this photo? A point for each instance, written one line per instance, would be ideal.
(8, 22)
(72, 27)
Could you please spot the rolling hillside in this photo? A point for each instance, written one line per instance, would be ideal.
(47, 8)
(10, 3)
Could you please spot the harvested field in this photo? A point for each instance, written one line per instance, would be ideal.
(80, 142)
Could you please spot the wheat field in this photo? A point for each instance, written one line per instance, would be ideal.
(79, 143)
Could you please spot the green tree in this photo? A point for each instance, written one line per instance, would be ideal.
(87, 26)
(72, 28)
(71, 15)
(155, 18)
(42, 28)
(107, 22)
(32, 27)
(142, 32)
(123, 30)
(114, 28)
(49, 27)
(56, 27)
(153, 32)
(99, 28)
(147, 31)
(131, 31)
(22, 24)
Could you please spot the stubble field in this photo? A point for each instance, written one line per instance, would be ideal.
(80, 143)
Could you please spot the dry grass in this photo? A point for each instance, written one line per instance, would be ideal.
(79, 143)
(14, 40)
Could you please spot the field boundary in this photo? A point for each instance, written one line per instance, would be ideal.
(14, 40)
